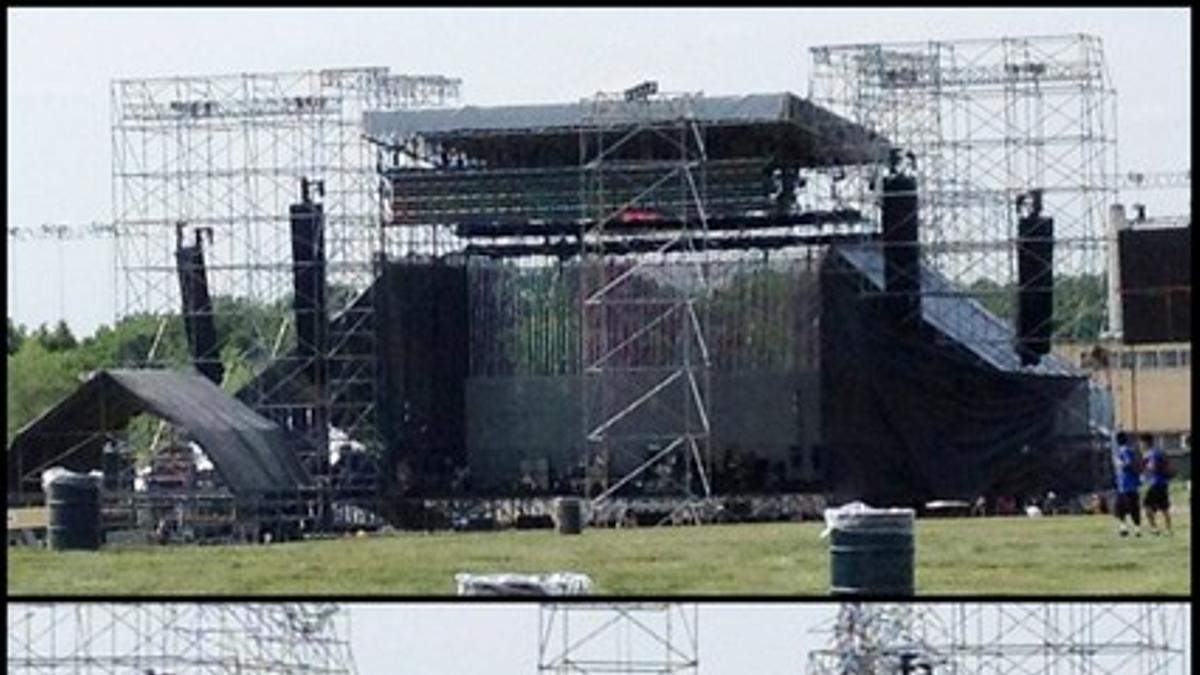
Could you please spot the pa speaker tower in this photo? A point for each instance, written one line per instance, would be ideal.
(1035, 278)
(901, 256)
(199, 325)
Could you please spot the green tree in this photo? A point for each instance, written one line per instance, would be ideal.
(58, 339)
(752, 320)
(16, 336)
(46, 365)
(1080, 304)
(1000, 300)
(546, 328)
(1080, 307)
(37, 378)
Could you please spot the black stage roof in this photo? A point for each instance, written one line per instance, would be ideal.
(780, 125)
(251, 453)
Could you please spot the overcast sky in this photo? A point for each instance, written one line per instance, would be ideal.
(465, 638)
(501, 639)
(60, 64)
(734, 638)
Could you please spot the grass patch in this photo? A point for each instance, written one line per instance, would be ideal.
(1061, 555)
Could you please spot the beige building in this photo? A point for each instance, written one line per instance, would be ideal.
(1151, 386)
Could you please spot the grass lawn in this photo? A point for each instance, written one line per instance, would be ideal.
(1067, 554)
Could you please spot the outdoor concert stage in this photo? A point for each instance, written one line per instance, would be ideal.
(833, 360)
(813, 388)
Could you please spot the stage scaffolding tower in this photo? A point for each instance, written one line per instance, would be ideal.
(986, 121)
(226, 154)
(176, 638)
(1052, 638)
(645, 357)
(619, 637)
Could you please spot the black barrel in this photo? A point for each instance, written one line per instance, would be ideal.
(570, 515)
(73, 501)
(871, 553)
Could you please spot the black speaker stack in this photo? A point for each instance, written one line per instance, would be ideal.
(1035, 278)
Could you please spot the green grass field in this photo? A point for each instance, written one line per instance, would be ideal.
(1067, 554)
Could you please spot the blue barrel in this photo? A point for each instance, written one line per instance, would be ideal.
(871, 553)
(570, 515)
(73, 502)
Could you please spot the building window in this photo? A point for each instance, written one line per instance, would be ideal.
(1147, 360)
(1185, 358)
(1171, 442)
(1127, 359)
(1169, 358)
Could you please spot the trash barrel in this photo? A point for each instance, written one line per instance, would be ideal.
(570, 515)
(871, 550)
(73, 502)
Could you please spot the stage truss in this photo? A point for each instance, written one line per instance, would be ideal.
(645, 360)
(1045, 638)
(618, 638)
(987, 120)
(178, 638)
(224, 156)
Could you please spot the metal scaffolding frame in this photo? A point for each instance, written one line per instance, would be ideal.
(621, 313)
(1004, 637)
(227, 154)
(986, 121)
(157, 638)
(618, 637)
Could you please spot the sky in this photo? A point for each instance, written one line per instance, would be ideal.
(734, 638)
(501, 639)
(61, 62)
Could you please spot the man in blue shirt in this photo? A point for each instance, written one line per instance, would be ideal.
(1127, 468)
(1157, 475)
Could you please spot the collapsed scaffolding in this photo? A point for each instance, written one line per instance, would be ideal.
(175, 638)
(225, 156)
(1048, 638)
(245, 214)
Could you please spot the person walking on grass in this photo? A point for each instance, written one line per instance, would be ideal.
(1128, 471)
(1158, 476)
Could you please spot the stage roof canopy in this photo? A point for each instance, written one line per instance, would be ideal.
(250, 452)
(778, 124)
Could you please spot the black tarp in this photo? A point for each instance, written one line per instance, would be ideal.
(251, 454)
(422, 316)
(758, 416)
(910, 416)
(199, 323)
(477, 366)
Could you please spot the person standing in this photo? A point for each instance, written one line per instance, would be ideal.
(1128, 478)
(1158, 475)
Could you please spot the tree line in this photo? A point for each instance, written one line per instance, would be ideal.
(46, 363)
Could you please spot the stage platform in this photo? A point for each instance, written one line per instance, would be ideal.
(538, 512)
